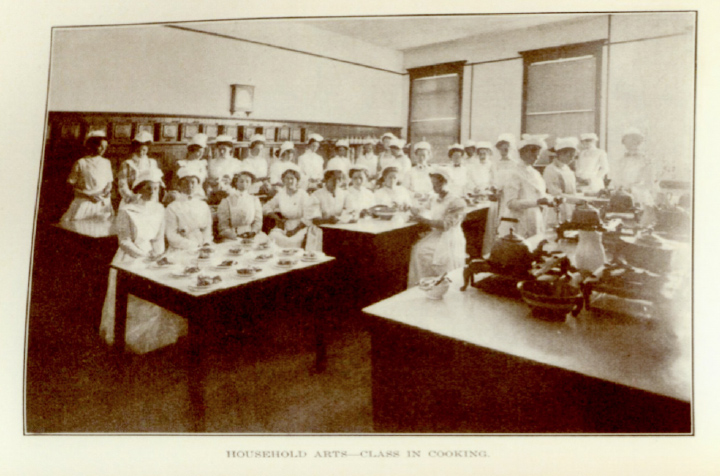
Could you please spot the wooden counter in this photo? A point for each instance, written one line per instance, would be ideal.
(474, 362)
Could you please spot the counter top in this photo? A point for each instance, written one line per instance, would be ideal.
(646, 354)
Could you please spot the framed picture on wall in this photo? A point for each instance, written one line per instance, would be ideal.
(189, 130)
(70, 131)
(148, 127)
(232, 131)
(284, 134)
(169, 132)
(211, 130)
(297, 134)
(122, 131)
(270, 133)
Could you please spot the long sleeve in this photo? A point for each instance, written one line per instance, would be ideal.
(123, 179)
(158, 243)
(257, 222)
(174, 233)
(207, 229)
(553, 180)
(224, 223)
(126, 237)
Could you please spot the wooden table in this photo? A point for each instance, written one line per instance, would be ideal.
(476, 363)
(374, 255)
(235, 302)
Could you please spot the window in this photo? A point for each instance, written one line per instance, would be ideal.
(561, 94)
(435, 98)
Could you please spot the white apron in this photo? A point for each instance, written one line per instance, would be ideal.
(188, 224)
(440, 250)
(90, 176)
(525, 185)
(238, 213)
(295, 209)
(140, 228)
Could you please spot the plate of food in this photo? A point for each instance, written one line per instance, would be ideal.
(285, 263)
(235, 251)
(289, 251)
(248, 272)
(311, 256)
(186, 271)
(262, 257)
(161, 263)
(205, 253)
(226, 264)
(205, 282)
(263, 246)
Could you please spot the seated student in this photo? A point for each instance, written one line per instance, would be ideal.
(136, 164)
(560, 179)
(359, 198)
(390, 193)
(341, 160)
(290, 209)
(417, 180)
(327, 202)
(287, 156)
(442, 249)
(592, 164)
(368, 159)
(140, 226)
(221, 170)
(524, 192)
(92, 179)
(311, 163)
(188, 220)
(481, 172)
(192, 163)
(458, 171)
(240, 211)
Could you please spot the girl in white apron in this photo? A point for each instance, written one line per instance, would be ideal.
(137, 164)
(240, 211)
(443, 248)
(359, 198)
(140, 226)
(390, 193)
(188, 220)
(221, 170)
(290, 208)
(91, 178)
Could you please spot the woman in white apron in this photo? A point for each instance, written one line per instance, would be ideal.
(390, 193)
(417, 180)
(192, 163)
(368, 159)
(634, 172)
(560, 180)
(290, 208)
(340, 161)
(188, 220)
(326, 206)
(311, 163)
(482, 170)
(524, 193)
(140, 226)
(443, 248)
(592, 164)
(359, 198)
(91, 178)
(137, 164)
(278, 168)
(240, 212)
(221, 170)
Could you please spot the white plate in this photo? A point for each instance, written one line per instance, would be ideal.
(262, 260)
(223, 268)
(247, 276)
(289, 251)
(237, 251)
(284, 266)
(309, 259)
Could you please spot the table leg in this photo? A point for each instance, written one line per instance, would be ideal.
(196, 374)
(121, 303)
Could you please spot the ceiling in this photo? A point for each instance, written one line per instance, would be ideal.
(402, 33)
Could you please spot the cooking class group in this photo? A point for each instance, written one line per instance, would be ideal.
(449, 232)
(165, 216)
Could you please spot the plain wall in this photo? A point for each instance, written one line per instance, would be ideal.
(161, 70)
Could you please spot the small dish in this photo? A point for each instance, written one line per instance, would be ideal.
(289, 251)
(285, 263)
(227, 264)
(236, 251)
(311, 256)
(263, 257)
(247, 273)
(186, 272)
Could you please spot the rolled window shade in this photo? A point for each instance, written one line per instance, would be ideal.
(562, 85)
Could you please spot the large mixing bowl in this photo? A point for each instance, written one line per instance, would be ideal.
(547, 304)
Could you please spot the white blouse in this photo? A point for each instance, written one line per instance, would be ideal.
(311, 164)
(398, 195)
(188, 223)
(295, 208)
(358, 200)
(238, 213)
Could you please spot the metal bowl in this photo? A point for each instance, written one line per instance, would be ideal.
(545, 304)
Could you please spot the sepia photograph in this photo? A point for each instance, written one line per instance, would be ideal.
(369, 237)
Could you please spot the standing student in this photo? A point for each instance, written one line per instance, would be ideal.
(417, 180)
(340, 161)
(560, 179)
(481, 171)
(442, 249)
(188, 220)
(138, 163)
(221, 170)
(634, 173)
(240, 212)
(525, 192)
(368, 159)
(385, 158)
(359, 198)
(311, 164)
(470, 149)
(592, 165)
(458, 171)
(140, 226)
(92, 179)
(290, 209)
(278, 168)
(399, 159)
(256, 162)
(192, 163)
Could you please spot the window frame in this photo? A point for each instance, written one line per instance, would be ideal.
(594, 48)
(455, 67)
